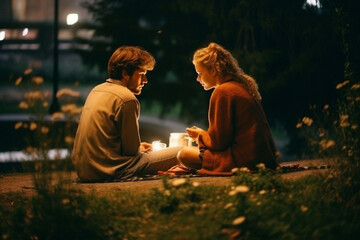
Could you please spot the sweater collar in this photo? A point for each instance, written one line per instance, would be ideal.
(115, 81)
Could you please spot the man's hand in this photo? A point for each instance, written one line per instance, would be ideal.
(145, 147)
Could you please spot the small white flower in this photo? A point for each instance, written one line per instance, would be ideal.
(242, 189)
(229, 205)
(260, 166)
(232, 193)
(196, 184)
(238, 221)
(178, 182)
(244, 169)
(262, 192)
(234, 170)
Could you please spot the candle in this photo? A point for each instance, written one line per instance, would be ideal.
(157, 145)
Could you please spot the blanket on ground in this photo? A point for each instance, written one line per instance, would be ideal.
(191, 174)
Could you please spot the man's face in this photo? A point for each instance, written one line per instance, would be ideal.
(137, 81)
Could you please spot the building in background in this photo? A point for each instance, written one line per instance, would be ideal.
(26, 38)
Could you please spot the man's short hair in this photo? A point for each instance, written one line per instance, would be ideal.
(129, 58)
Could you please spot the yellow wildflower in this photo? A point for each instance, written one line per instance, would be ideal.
(299, 125)
(38, 80)
(33, 126)
(27, 71)
(307, 121)
(321, 133)
(23, 105)
(18, 125)
(18, 81)
(325, 144)
(47, 94)
(65, 201)
(30, 150)
(355, 86)
(67, 91)
(44, 130)
(239, 220)
(304, 208)
(34, 95)
(69, 140)
(344, 121)
(71, 109)
(57, 115)
(340, 85)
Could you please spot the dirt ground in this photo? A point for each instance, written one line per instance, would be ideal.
(23, 182)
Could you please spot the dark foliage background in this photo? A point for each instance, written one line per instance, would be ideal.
(296, 52)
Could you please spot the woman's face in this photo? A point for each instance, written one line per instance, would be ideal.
(205, 77)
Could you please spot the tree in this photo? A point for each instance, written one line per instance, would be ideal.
(291, 49)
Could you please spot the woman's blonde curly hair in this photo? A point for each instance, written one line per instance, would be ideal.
(215, 56)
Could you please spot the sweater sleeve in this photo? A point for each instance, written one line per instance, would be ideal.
(128, 126)
(220, 131)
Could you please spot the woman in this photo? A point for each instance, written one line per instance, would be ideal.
(238, 133)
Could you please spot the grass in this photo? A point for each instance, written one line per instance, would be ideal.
(254, 206)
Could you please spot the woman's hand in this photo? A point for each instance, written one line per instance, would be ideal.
(145, 147)
(194, 132)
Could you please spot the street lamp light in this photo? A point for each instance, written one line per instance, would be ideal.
(72, 18)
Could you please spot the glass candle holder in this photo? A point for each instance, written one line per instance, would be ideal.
(157, 145)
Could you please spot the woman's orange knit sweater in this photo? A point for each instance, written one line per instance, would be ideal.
(238, 133)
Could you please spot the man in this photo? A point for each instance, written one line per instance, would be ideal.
(107, 143)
